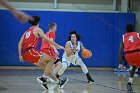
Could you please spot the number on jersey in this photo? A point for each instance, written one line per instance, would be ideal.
(27, 34)
(131, 39)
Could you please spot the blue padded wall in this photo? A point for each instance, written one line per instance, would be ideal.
(100, 32)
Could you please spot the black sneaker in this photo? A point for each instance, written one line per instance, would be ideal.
(129, 86)
(44, 86)
(41, 80)
(91, 81)
(63, 82)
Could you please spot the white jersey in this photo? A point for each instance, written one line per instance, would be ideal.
(74, 55)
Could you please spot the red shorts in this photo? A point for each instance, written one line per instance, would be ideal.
(50, 52)
(133, 58)
(32, 55)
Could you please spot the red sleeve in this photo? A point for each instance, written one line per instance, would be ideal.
(52, 35)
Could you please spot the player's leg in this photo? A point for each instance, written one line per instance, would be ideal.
(58, 65)
(61, 70)
(84, 69)
(132, 72)
(134, 61)
(48, 64)
(48, 72)
(65, 64)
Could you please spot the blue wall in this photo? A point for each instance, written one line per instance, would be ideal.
(100, 32)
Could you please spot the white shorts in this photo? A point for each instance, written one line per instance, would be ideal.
(68, 61)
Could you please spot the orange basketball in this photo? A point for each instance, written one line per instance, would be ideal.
(86, 53)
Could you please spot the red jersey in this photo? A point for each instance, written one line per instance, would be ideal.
(46, 45)
(30, 40)
(131, 41)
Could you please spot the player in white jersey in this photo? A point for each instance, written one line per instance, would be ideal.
(73, 46)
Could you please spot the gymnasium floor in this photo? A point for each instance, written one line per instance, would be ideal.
(106, 81)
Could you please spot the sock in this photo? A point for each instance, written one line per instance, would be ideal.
(89, 77)
(45, 76)
(131, 80)
(57, 76)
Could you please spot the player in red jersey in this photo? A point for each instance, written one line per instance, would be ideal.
(28, 52)
(131, 45)
(51, 50)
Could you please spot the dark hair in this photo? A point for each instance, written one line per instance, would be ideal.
(51, 25)
(129, 28)
(35, 20)
(74, 32)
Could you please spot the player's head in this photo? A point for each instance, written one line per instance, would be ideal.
(74, 36)
(129, 28)
(35, 20)
(52, 26)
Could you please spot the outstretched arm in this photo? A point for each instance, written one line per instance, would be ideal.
(41, 34)
(21, 16)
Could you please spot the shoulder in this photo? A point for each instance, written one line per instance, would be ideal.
(68, 42)
(80, 42)
(38, 29)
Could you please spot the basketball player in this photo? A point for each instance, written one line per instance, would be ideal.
(50, 49)
(73, 46)
(131, 45)
(21, 16)
(28, 52)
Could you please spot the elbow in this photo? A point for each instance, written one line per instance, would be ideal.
(19, 45)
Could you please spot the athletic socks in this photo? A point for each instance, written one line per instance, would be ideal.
(57, 76)
(90, 80)
(131, 80)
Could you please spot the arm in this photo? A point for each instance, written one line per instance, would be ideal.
(68, 49)
(81, 45)
(20, 48)
(41, 34)
(7, 5)
(54, 47)
(21, 16)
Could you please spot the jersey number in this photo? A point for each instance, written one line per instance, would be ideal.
(131, 39)
(27, 34)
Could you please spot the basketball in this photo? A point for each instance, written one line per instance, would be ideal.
(86, 53)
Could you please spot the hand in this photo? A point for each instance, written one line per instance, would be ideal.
(57, 53)
(120, 66)
(21, 16)
(21, 59)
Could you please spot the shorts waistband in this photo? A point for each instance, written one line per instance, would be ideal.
(132, 51)
(27, 49)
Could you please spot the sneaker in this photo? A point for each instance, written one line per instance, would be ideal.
(44, 86)
(91, 81)
(63, 82)
(129, 86)
(41, 80)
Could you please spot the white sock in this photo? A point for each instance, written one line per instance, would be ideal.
(45, 76)
(131, 80)
(53, 81)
